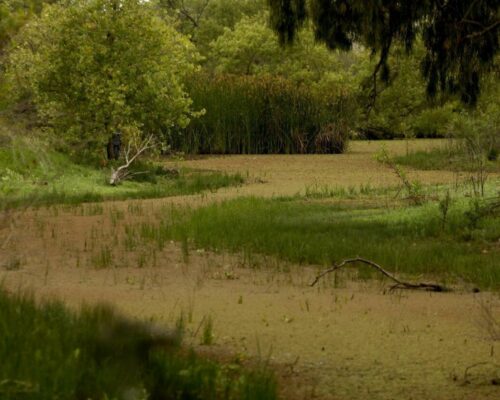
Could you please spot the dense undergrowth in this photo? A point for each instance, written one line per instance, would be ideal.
(33, 174)
(50, 352)
(460, 244)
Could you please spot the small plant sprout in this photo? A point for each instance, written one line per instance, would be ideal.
(207, 337)
(444, 208)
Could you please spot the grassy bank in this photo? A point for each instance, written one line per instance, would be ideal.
(411, 240)
(49, 352)
(33, 174)
(443, 159)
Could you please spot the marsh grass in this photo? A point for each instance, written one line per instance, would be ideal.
(341, 192)
(258, 114)
(103, 258)
(32, 174)
(77, 189)
(409, 240)
(450, 159)
(49, 352)
(207, 336)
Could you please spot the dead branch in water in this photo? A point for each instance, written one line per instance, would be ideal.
(432, 287)
(466, 379)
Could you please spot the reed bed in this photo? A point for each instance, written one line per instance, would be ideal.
(259, 115)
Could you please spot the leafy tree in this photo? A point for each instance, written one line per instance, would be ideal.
(246, 48)
(205, 20)
(250, 47)
(14, 14)
(401, 108)
(92, 67)
(461, 37)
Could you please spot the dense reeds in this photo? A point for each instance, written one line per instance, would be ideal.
(259, 114)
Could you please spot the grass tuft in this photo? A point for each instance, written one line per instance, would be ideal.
(442, 159)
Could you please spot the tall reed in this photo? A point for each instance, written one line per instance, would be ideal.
(257, 114)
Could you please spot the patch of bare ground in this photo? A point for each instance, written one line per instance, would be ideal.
(344, 339)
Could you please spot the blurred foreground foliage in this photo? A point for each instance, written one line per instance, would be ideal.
(49, 351)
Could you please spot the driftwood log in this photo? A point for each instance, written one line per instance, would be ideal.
(399, 284)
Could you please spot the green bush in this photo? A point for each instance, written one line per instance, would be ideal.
(432, 123)
(250, 114)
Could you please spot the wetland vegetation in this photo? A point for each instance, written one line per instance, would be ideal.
(193, 164)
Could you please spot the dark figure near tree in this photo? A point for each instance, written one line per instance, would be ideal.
(114, 146)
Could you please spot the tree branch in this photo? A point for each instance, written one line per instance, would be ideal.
(384, 54)
(195, 20)
(485, 30)
(122, 172)
(469, 10)
(433, 287)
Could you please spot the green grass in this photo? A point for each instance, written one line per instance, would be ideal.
(341, 192)
(32, 174)
(441, 159)
(412, 240)
(49, 352)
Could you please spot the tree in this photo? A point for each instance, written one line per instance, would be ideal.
(97, 66)
(250, 47)
(14, 14)
(205, 20)
(461, 37)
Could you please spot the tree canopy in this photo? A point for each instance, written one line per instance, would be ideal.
(84, 83)
(96, 66)
(461, 37)
(14, 14)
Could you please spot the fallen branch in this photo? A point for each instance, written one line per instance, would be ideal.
(122, 172)
(432, 287)
(466, 380)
